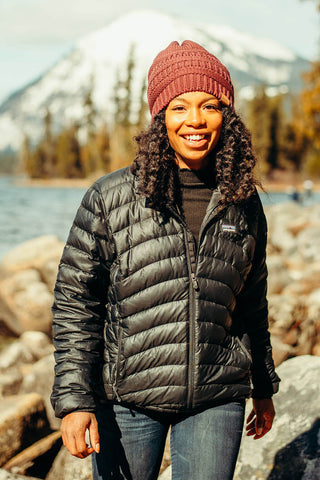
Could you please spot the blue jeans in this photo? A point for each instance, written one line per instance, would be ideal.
(204, 446)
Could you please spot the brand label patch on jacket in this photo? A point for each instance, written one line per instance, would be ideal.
(229, 228)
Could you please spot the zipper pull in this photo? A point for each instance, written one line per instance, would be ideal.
(116, 393)
(195, 282)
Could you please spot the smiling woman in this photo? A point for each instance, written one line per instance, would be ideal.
(160, 313)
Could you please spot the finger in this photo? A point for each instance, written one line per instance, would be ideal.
(69, 442)
(264, 431)
(250, 416)
(251, 425)
(268, 423)
(81, 445)
(94, 436)
(259, 423)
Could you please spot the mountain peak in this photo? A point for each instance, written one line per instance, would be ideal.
(102, 55)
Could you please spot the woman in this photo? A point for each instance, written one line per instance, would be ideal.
(160, 313)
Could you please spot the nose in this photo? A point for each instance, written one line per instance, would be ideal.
(195, 117)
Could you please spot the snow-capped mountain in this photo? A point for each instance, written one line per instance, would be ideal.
(99, 58)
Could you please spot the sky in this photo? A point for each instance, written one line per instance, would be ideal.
(37, 33)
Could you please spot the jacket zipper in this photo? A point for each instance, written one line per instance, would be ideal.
(114, 385)
(194, 287)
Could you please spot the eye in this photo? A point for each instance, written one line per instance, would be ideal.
(178, 108)
(211, 106)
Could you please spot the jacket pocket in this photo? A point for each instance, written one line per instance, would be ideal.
(244, 350)
(114, 362)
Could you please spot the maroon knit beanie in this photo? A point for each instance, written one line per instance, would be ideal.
(187, 68)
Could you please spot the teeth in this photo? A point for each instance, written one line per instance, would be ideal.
(194, 137)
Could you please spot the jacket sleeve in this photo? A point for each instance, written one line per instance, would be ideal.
(252, 312)
(79, 308)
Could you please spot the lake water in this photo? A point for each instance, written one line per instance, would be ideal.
(28, 212)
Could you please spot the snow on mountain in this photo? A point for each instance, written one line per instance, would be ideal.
(100, 58)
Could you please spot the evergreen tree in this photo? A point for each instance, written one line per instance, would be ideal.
(310, 114)
(123, 92)
(121, 144)
(143, 108)
(48, 148)
(259, 124)
(103, 145)
(90, 115)
(68, 154)
(273, 152)
(27, 158)
(311, 103)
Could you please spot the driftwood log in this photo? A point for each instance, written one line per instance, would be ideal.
(26, 459)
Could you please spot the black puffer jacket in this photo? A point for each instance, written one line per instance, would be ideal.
(139, 313)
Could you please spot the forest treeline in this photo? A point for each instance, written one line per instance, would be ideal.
(285, 132)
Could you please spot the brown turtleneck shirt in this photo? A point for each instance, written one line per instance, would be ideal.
(197, 187)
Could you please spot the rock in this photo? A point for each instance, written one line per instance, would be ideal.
(282, 240)
(10, 382)
(67, 467)
(41, 253)
(9, 325)
(279, 276)
(27, 278)
(280, 350)
(307, 337)
(165, 475)
(291, 450)
(40, 380)
(308, 243)
(14, 355)
(283, 313)
(36, 459)
(23, 421)
(4, 475)
(308, 281)
(29, 299)
(38, 343)
(316, 349)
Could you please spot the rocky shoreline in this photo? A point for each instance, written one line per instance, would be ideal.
(29, 431)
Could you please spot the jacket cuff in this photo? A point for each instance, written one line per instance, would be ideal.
(264, 378)
(72, 403)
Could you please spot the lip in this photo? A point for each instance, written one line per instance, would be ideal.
(195, 140)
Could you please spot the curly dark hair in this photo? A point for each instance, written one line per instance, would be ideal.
(232, 163)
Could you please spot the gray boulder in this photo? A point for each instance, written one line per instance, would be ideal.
(15, 355)
(4, 475)
(23, 421)
(67, 467)
(40, 380)
(27, 277)
(10, 382)
(40, 253)
(279, 276)
(28, 297)
(38, 343)
(291, 450)
(308, 243)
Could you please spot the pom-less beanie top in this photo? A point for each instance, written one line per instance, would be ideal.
(187, 68)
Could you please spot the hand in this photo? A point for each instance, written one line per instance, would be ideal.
(259, 422)
(73, 429)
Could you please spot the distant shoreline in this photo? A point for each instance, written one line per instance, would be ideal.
(283, 185)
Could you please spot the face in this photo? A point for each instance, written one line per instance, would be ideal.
(193, 122)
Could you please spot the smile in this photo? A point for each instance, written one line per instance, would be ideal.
(194, 138)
